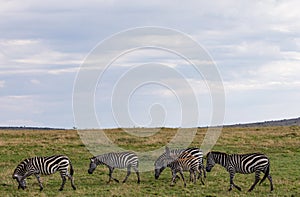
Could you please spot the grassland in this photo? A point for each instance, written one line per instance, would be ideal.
(281, 144)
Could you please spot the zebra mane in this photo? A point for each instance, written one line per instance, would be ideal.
(174, 153)
(218, 152)
(19, 169)
(101, 159)
(24, 162)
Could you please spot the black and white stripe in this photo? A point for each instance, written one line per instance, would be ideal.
(184, 162)
(116, 160)
(241, 163)
(44, 166)
(160, 164)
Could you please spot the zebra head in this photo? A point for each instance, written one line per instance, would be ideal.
(20, 172)
(210, 162)
(161, 163)
(159, 167)
(93, 165)
(20, 180)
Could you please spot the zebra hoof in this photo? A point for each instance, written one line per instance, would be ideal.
(60, 189)
(74, 187)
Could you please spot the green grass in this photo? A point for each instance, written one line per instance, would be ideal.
(281, 144)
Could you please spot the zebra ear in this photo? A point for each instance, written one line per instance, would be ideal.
(208, 154)
(167, 151)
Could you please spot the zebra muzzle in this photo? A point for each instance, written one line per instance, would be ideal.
(208, 169)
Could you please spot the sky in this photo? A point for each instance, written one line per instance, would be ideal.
(255, 46)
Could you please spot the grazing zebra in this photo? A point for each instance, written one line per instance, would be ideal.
(241, 163)
(116, 160)
(160, 163)
(184, 162)
(44, 166)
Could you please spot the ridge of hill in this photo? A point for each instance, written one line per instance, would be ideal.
(283, 122)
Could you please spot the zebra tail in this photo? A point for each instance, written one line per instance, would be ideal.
(266, 174)
(71, 169)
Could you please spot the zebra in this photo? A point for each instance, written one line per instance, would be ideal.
(160, 163)
(241, 163)
(45, 166)
(184, 162)
(116, 160)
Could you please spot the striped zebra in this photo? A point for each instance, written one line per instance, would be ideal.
(160, 164)
(241, 163)
(184, 162)
(44, 166)
(116, 160)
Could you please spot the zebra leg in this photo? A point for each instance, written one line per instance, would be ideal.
(72, 181)
(193, 172)
(232, 183)
(257, 173)
(137, 174)
(111, 169)
(200, 174)
(128, 173)
(177, 177)
(204, 171)
(63, 177)
(191, 176)
(271, 182)
(39, 180)
(174, 176)
(181, 174)
(201, 169)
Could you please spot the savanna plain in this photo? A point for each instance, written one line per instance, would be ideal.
(280, 144)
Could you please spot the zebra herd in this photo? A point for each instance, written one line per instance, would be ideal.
(178, 160)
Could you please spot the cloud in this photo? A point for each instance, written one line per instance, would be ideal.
(17, 103)
(280, 71)
(21, 122)
(2, 84)
(35, 82)
(25, 56)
